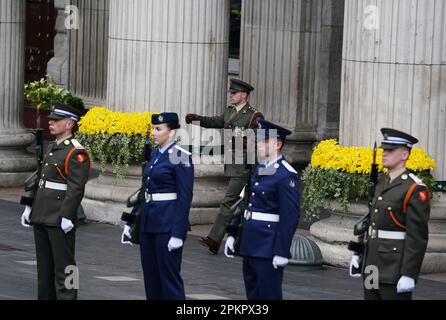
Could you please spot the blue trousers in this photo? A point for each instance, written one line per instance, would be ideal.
(262, 281)
(161, 268)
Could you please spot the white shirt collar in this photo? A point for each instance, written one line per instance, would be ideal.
(274, 161)
(167, 146)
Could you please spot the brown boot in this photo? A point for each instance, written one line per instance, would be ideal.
(210, 243)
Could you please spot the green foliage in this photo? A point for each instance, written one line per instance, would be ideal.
(119, 150)
(321, 186)
(41, 94)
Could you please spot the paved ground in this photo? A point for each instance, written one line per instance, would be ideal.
(109, 270)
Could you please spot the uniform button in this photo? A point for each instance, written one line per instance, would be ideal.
(373, 224)
(269, 226)
(263, 192)
(151, 167)
(380, 198)
(43, 175)
(394, 249)
(253, 194)
(256, 184)
(250, 205)
(390, 208)
(46, 164)
(376, 210)
(51, 154)
(58, 198)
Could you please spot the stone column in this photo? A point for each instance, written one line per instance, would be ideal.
(15, 163)
(290, 52)
(168, 55)
(394, 73)
(165, 55)
(89, 51)
(57, 67)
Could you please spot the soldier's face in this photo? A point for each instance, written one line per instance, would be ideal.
(236, 98)
(60, 127)
(394, 158)
(161, 134)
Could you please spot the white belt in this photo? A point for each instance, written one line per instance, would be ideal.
(269, 217)
(55, 186)
(391, 235)
(160, 196)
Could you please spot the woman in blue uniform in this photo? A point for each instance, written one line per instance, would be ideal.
(168, 181)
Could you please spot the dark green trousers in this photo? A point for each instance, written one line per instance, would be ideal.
(235, 186)
(54, 253)
(386, 292)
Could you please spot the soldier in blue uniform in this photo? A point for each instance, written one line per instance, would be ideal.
(271, 218)
(168, 181)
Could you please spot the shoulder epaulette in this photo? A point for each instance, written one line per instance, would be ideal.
(288, 167)
(417, 180)
(77, 145)
(183, 150)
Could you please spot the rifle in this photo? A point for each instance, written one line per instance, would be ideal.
(32, 183)
(137, 198)
(235, 227)
(362, 225)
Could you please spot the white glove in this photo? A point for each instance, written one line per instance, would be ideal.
(279, 261)
(405, 284)
(229, 245)
(66, 225)
(174, 244)
(354, 264)
(126, 233)
(25, 216)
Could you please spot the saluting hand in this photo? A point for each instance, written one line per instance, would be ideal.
(190, 117)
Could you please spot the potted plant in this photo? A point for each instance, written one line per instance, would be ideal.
(340, 175)
(115, 138)
(39, 97)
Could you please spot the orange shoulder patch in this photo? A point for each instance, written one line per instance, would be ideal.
(423, 196)
(80, 158)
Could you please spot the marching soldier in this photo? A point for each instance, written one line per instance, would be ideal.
(238, 117)
(52, 211)
(168, 184)
(271, 218)
(398, 232)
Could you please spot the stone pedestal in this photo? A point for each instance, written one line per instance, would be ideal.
(333, 234)
(15, 163)
(394, 73)
(105, 198)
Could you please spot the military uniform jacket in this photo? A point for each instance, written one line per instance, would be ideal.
(277, 192)
(397, 257)
(246, 118)
(168, 172)
(64, 166)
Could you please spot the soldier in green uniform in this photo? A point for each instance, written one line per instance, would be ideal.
(398, 233)
(51, 209)
(237, 117)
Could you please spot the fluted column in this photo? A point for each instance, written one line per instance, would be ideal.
(394, 73)
(290, 52)
(168, 55)
(89, 51)
(15, 162)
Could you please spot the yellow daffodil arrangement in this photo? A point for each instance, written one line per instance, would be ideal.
(342, 174)
(116, 138)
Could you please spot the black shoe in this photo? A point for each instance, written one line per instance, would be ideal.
(210, 243)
